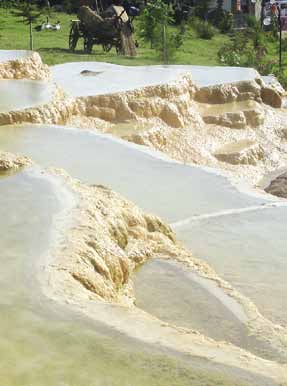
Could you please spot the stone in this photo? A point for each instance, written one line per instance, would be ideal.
(233, 120)
(227, 93)
(254, 118)
(241, 152)
(27, 67)
(271, 97)
(90, 73)
(282, 133)
(12, 162)
(171, 116)
(278, 187)
(217, 94)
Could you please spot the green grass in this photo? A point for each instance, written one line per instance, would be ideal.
(53, 46)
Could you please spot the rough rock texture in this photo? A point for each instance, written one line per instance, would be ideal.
(106, 239)
(172, 121)
(241, 152)
(282, 133)
(240, 91)
(59, 110)
(271, 97)
(197, 142)
(237, 120)
(226, 93)
(111, 237)
(12, 162)
(255, 117)
(172, 103)
(273, 83)
(278, 187)
(28, 67)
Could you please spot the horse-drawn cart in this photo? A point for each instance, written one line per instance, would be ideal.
(111, 28)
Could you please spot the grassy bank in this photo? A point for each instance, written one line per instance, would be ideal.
(53, 46)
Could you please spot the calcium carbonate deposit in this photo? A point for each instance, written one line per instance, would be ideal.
(138, 246)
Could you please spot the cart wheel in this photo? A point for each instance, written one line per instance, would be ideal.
(74, 36)
(88, 45)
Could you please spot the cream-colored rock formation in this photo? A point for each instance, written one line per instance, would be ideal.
(13, 162)
(58, 110)
(111, 236)
(176, 119)
(171, 122)
(26, 67)
(92, 265)
(241, 152)
(103, 240)
(172, 103)
(278, 187)
(237, 120)
(241, 91)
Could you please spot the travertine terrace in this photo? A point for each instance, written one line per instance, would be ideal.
(93, 240)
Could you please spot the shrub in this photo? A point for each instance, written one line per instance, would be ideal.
(284, 44)
(71, 6)
(151, 20)
(226, 22)
(155, 28)
(221, 19)
(247, 49)
(174, 40)
(201, 9)
(203, 29)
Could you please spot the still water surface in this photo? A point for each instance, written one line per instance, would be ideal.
(43, 344)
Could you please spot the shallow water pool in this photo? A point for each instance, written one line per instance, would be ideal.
(21, 94)
(169, 189)
(249, 250)
(7, 55)
(173, 294)
(44, 344)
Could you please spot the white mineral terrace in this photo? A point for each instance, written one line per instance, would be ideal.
(190, 325)
(8, 55)
(105, 78)
(16, 95)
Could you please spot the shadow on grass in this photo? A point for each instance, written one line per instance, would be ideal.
(58, 50)
(57, 55)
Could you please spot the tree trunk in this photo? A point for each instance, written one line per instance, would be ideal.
(164, 47)
(31, 36)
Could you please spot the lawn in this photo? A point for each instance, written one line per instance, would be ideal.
(53, 46)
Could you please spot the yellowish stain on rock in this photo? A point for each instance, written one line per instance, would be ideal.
(13, 162)
(27, 67)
